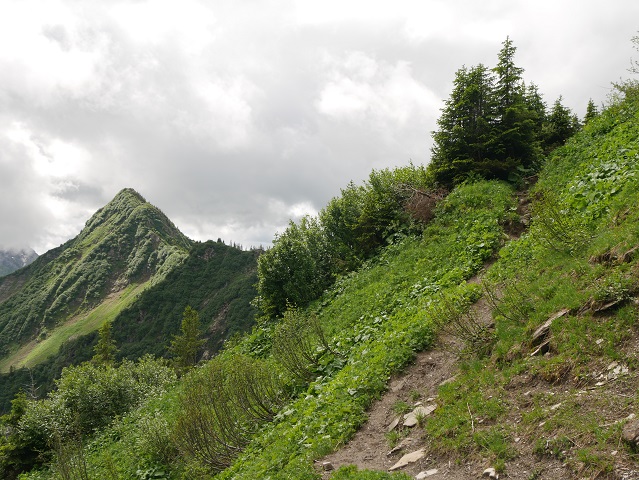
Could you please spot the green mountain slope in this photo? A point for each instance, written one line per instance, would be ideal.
(216, 279)
(508, 407)
(124, 248)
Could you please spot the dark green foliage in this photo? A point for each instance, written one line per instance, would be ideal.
(591, 111)
(296, 269)
(309, 255)
(561, 125)
(185, 347)
(464, 142)
(494, 127)
(16, 455)
(217, 280)
(516, 113)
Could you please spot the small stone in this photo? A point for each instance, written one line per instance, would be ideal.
(630, 433)
(555, 406)
(426, 474)
(408, 458)
(327, 466)
(490, 473)
(410, 419)
(599, 341)
(393, 424)
(405, 443)
(541, 334)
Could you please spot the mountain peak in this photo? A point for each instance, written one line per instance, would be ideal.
(128, 194)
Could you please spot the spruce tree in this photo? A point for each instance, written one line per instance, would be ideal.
(591, 111)
(185, 346)
(561, 125)
(105, 349)
(463, 144)
(515, 128)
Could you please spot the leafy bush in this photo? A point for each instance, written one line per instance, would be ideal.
(308, 256)
(87, 398)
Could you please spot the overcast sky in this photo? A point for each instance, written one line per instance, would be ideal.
(235, 116)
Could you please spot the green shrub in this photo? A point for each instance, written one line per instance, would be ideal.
(222, 405)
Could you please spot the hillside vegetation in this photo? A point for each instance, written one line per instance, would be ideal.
(349, 298)
(126, 243)
(129, 266)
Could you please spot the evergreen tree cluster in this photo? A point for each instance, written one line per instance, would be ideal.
(495, 126)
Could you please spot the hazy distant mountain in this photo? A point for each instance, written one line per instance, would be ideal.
(14, 259)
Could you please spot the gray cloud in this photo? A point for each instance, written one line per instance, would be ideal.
(235, 118)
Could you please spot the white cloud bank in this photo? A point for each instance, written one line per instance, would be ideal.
(234, 117)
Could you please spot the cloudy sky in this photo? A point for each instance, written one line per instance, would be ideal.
(235, 116)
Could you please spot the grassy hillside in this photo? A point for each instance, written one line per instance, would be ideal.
(127, 242)
(298, 387)
(216, 279)
(375, 319)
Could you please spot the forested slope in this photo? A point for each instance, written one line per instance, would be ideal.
(380, 275)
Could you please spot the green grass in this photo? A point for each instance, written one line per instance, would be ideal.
(573, 257)
(35, 352)
(375, 319)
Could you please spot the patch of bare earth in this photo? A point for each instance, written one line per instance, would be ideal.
(370, 449)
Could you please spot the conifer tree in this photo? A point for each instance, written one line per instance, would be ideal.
(185, 346)
(561, 125)
(466, 128)
(515, 128)
(105, 349)
(591, 111)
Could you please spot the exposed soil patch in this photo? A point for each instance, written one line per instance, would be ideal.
(369, 448)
